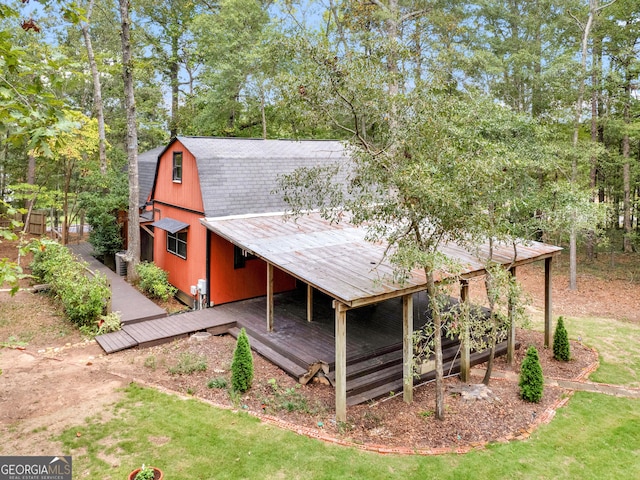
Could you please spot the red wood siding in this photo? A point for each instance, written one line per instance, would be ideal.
(229, 284)
(182, 272)
(181, 201)
(186, 194)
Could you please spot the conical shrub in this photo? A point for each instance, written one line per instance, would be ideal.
(531, 379)
(561, 348)
(242, 365)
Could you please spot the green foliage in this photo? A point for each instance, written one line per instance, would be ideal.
(13, 342)
(110, 322)
(289, 399)
(155, 281)
(105, 324)
(83, 295)
(145, 473)
(106, 195)
(217, 383)
(531, 379)
(189, 363)
(561, 346)
(242, 364)
(150, 362)
(10, 272)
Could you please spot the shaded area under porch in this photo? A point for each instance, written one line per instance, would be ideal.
(374, 341)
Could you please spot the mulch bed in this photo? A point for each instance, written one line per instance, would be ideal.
(388, 424)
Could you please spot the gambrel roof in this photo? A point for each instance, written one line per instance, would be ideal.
(147, 162)
(238, 175)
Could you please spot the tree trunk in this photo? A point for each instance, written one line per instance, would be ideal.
(263, 114)
(627, 246)
(593, 173)
(97, 92)
(437, 344)
(31, 180)
(133, 231)
(175, 87)
(573, 264)
(489, 286)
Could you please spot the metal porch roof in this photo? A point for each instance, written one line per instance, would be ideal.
(171, 225)
(336, 258)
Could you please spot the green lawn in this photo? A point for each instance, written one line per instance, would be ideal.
(618, 345)
(596, 436)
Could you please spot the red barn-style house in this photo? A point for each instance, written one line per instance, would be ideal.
(204, 177)
(303, 282)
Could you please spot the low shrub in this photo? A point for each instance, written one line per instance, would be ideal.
(289, 399)
(561, 346)
(531, 379)
(217, 383)
(242, 364)
(155, 281)
(105, 324)
(82, 294)
(189, 363)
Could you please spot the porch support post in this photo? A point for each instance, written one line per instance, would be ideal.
(269, 297)
(547, 301)
(511, 336)
(341, 360)
(407, 348)
(309, 303)
(465, 350)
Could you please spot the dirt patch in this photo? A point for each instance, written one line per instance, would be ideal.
(42, 394)
(604, 290)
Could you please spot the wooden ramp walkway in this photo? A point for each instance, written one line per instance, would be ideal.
(126, 299)
(145, 324)
(161, 330)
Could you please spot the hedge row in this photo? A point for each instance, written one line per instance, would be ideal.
(83, 296)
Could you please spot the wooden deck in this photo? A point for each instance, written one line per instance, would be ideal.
(369, 329)
(161, 330)
(301, 348)
(374, 342)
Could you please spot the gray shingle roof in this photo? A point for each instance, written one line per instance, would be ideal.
(147, 162)
(237, 175)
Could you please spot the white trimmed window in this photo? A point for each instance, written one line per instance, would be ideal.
(177, 243)
(177, 167)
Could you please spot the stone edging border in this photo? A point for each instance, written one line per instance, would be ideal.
(317, 434)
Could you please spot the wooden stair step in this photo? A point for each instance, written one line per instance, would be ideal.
(280, 346)
(389, 374)
(292, 368)
(371, 365)
(379, 391)
(394, 381)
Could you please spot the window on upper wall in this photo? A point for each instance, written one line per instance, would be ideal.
(177, 166)
(177, 243)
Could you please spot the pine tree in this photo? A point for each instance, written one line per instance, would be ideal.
(242, 365)
(531, 379)
(561, 348)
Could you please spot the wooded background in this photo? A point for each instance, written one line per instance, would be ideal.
(323, 69)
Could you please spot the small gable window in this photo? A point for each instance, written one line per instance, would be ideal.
(177, 167)
(177, 243)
